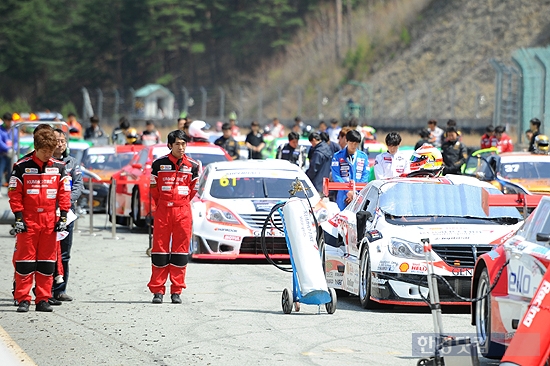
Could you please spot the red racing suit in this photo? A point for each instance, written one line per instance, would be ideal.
(172, 188)
(36, 189)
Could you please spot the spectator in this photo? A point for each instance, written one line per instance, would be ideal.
(73, 169)
(488, 139)
(235, 130)
(119, 134)
(276, 129)
(342, 142)
(349, 164)
(75, 128)
(452, 123)
(334, 130)
(298, 125)
(333, 145)
(150, 136)
(320, 161)
(322, 127)
(436, 133)
(390, 164)
(94, 131)
(424, 138)
(254, 141)
(6, 149)
(454, 153)
(292, 151)
(227, 142)
(535, 129)
(504, 142)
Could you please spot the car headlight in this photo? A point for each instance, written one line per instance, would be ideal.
(406, 249)
(218, 215)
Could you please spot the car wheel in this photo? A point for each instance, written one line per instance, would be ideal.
(286, 301)
(365, 280)
(136, 209)
(487, 347)
(124, 221)
(331, 306)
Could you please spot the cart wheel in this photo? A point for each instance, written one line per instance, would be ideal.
(286, 301)
(148, 252)
(297, 306)
(12, 232)
(331, 306)
(427, 362)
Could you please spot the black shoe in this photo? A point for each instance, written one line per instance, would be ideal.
(63, 297)
(15, 302)
(23, 306)
(157, 299)
(53, 301)
(176, 299)
(44, 306)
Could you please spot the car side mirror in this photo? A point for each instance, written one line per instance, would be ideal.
(543, 237)
(362, 218)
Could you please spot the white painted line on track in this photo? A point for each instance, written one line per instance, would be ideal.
(11, 353)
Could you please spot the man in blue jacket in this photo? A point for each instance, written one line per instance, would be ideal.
(349, 164)
(6, 148)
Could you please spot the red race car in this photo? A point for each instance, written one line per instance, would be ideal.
(133, 201)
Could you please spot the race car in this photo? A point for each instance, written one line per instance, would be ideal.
(373, 247)
(233, 201)
(515, 172)
(132, 182)
(522, 261)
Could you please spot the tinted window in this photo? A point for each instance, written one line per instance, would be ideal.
(254, 187)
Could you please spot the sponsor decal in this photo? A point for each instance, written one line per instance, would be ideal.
(338, 282)
(387, 266)
(387, 158)
(262, 205)
(165, 167)
(232, 237)
(186, 169)
(183, 190)
(334, 163)
(51, 191)
(272, 232)
(225, 229)
(33, 191)
(51, 196)
(537, 303)
(330, 281)
(31, 170)
(540, 250)
(153, 180)
(404, 267)
(166, 188)
(171, 179)
(462, 272)
(419, 268)
(67, 186)
(378, 281)
(13, 182)
(52, 170)
(519, 282)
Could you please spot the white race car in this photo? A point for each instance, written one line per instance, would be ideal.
(373, 247)
(233, 200)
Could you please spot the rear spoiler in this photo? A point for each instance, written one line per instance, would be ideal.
(509, 200)
(335, 186)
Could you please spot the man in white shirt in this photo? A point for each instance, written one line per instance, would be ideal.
(391, 163)
(436, 138)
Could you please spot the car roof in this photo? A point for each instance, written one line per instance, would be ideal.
(448, 179)
(521, 157)
(270, 164)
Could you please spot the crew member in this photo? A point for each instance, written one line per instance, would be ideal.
(254, 141)
(73, 169)
(38, 185)
(349, 164)
(534, 125)
(173, 180)
(504, 142)
(390, 164)
(292, 150)
(488, 139)
(454, 153)
(319, 163)
(150, 136)
(75, 128)
(227, 142)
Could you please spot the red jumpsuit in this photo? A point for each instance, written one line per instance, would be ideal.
(36, 189)
(172, 188)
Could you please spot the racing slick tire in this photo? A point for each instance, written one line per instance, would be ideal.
(136, 209)
(365, 280)
(286, 301)
(487, 347)
(331, 306)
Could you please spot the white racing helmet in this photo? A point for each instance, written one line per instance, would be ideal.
(196, 130)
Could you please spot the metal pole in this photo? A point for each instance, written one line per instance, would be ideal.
(185, 104)
(99, 103)
(112, 200)
(319, 102)
(299, 90)
(133, 107)
(260, 103)
(222, 102)
(203, 102)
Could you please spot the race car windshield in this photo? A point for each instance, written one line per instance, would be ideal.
(421, 200)
(206, 159)
(107, 161)
(526, 170)
(255, 187)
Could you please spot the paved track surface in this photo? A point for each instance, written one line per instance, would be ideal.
(231, 315)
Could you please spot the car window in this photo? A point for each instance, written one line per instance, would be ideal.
(254, 187)
(106, 161)
(143, 155)
(206, 159)
(202, 182)
(538, 222)
(525, 170)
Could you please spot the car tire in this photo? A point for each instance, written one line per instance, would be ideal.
(365, 280)
(487, 347)
(136, 209)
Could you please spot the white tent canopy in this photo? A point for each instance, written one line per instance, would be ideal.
(153, 101)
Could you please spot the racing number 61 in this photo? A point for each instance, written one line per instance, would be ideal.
(224, 181)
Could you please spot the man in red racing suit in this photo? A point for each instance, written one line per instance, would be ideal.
(38, 185)
(173, 180)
